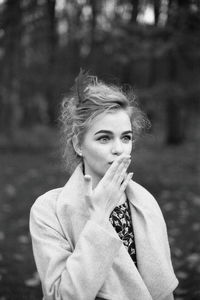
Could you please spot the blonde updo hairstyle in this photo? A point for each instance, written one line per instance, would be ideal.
(89, 98)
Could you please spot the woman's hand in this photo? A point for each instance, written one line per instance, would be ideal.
(105, 197)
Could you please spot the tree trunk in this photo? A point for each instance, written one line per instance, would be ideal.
(94, 7)
(11, 66)
(135, 10)
(51, 48)
(176, 121)
(175, 109)
(156, 10)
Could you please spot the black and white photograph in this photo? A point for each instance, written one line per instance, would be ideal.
(99, 150)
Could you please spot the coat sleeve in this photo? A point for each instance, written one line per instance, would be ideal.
(68, 274)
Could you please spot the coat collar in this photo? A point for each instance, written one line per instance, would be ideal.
(154, 276)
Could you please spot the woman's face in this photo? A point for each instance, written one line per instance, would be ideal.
(109, 136)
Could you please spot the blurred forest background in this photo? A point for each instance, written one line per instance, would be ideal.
(152, 45)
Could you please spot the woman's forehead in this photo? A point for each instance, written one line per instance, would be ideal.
(112, 121)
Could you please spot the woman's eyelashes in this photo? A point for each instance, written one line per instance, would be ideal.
(106, 138)
(127, 138)
(103, 139)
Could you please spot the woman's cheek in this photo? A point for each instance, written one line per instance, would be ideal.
(102, 149)
(129, 148)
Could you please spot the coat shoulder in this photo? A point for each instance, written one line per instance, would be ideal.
(49, 197)
(45, 204)
(141, 189)
(145, 198)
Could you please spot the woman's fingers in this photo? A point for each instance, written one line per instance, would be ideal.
(120, 174)
(113, 168)
(126, 181)
(116, 167)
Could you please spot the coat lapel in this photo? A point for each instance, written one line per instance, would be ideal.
(152, 248)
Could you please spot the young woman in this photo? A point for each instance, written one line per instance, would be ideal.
(101, 236)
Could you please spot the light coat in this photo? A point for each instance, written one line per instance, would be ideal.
(77, 259)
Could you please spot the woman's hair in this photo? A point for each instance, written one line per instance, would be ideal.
(89, 98)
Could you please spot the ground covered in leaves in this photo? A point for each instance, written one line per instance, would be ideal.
(169, 172)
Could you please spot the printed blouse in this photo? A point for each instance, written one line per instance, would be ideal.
(121, 220)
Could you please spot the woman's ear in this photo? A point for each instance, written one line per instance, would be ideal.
(76, 145)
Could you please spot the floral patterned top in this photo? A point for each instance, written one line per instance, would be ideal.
(121, 220)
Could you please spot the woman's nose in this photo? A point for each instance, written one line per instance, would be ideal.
(117, 147)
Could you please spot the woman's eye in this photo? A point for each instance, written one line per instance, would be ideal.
(126, 138)
(103, 139)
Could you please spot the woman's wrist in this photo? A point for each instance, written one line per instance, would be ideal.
(99, 218)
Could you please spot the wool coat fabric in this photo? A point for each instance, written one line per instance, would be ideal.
(77, 259)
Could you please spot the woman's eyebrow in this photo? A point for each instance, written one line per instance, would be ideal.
(110, 132)
(127, 132)
(104, 131)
